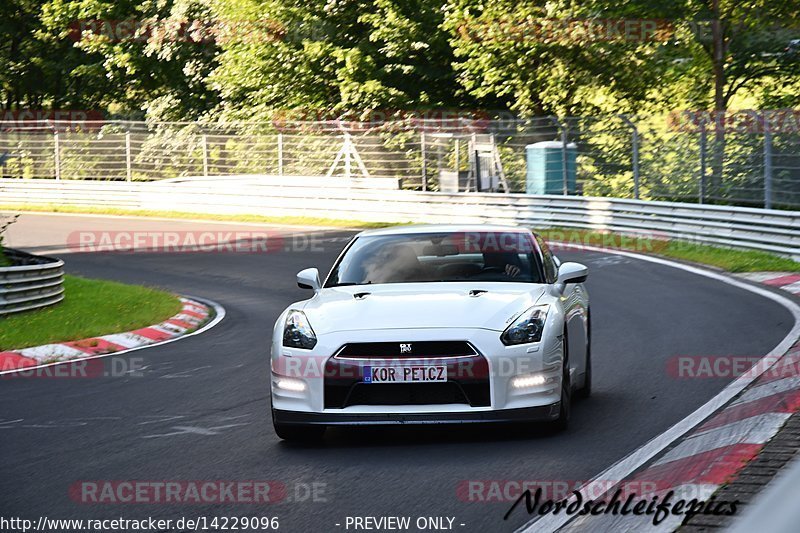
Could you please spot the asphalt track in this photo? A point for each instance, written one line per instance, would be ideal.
(200, 408)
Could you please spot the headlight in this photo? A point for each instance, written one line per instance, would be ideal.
(528, 327)
(297, 332)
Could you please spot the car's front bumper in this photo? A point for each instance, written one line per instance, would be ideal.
(525, 414)
(308, 367)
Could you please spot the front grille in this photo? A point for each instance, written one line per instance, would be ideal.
(405, 394)
(467, 375)
(414, 349)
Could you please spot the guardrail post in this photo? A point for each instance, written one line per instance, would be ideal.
(280, 154)
(204, 144)
(702, 187)
(767, 165)
(424, 161)
(128, 170)
(348, 154)
(458, 155)
(57, 154)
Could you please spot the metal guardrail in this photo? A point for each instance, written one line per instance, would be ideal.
(740, 227)
(34, 282)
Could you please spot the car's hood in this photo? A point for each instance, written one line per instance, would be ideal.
(419, 305)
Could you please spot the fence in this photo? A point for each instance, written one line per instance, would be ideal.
(686, 156)
(760, 229)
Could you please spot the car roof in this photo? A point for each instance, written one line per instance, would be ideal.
(443, 228)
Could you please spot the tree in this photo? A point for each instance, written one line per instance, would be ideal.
(558, 58)
(740, 47)
(325, 59)
(40, 68)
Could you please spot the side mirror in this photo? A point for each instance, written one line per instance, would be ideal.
(572, 273)
(308, 279)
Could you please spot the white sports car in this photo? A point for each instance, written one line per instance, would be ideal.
(433, 324)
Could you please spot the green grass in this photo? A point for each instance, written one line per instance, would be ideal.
(90, 308)
(261, 219)
(729, 259)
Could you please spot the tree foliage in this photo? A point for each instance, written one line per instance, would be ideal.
(247, 59)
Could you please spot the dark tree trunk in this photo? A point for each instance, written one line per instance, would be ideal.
(720, 104)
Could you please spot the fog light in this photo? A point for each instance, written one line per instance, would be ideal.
(528, 380)
(289, 384)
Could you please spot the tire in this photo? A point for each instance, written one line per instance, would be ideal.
(565, 411)
(586, 390)
(298, 433)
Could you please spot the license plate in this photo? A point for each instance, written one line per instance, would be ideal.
(405, 374)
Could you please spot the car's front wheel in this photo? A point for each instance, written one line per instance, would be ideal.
(565, 410)
(586, 390)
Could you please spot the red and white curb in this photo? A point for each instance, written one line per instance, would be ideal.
(713, 453)
(787, 281)
(709, 447)
(196, 315)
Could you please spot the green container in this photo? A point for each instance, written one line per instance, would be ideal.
(545, 168)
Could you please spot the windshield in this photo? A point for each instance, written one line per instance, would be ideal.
(430, 257)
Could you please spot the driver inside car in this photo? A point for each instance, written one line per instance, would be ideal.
(507, 262)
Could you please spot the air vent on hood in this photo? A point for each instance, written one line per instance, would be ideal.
(477, 292)
(361, 295)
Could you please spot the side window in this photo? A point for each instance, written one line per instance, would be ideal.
(550, 269)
